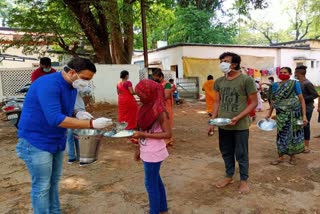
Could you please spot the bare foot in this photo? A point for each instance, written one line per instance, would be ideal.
(244, 187)
(224, 182)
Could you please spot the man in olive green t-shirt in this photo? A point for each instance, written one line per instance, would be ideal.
(234, 90)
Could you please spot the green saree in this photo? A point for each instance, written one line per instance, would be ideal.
(290, 136)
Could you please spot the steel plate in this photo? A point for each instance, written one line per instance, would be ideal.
(123, 133)
(220, 121)
(267, 125)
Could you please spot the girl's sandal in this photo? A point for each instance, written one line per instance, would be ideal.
(276, 162)
(306, 151)
(293, 161)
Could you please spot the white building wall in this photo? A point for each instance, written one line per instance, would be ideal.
(282, 57)
(313, 74)
(23, 64)
(106, 79)
(173, 56)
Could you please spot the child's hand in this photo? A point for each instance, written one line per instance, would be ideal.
(137, 155)
(138, 135)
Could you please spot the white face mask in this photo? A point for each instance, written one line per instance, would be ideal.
(225, 67)
(86, 91)
(80, 84)
(46, 70)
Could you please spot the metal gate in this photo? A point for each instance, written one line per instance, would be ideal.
(188, 87)
(13, 79)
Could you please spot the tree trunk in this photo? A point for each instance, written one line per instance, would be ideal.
(128, 30)
(119, 40)
(96, 32)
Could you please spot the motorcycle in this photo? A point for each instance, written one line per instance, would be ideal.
(12, 106)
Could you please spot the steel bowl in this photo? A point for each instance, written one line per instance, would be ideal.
(89, 144)
(267, 125)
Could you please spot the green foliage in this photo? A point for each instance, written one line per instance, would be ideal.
(44, 24)
(60, 24)
(314, 11)
(183, 25)
(197, 26)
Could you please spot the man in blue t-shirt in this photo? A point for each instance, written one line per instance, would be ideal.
(47, 113)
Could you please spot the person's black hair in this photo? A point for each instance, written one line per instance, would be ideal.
(288, 69)
(158, 73)
(235, 58)
(46, 61)
(171, 80)
(210, 77)
(123, 74)
(302, 69)
(271, 78)
(79, 64)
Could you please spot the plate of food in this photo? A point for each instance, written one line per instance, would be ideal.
(123, 133)
(220, 121)
(267, 125)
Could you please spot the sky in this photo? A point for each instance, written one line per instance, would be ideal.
(275, 13)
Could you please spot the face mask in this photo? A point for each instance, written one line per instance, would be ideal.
(157, 80)
(284, 76)
(86, 91)
(46, 70)
(225, 67)
(80, 84)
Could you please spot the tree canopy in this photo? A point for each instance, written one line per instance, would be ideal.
(110, 30)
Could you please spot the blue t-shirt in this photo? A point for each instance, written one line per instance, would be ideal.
(297, 88)
(49, 100)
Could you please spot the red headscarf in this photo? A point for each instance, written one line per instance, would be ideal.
(151, 95)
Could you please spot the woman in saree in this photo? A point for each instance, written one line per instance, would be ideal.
(287, 100)
(127, 105)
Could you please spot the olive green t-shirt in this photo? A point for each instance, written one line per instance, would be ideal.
(234, 99)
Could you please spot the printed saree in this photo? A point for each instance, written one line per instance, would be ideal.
(290, 136)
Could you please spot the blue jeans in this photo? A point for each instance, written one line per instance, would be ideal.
(155, 188)
(45, 169)
(72, 146)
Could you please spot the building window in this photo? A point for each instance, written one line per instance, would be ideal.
(299, 64)
(312, 64)
(317, 64)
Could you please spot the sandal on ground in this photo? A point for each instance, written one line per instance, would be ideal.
(293, 161)
(220, 185)
(276, 162)
(306, 151)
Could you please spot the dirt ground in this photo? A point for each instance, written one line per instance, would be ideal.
(115, 184)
